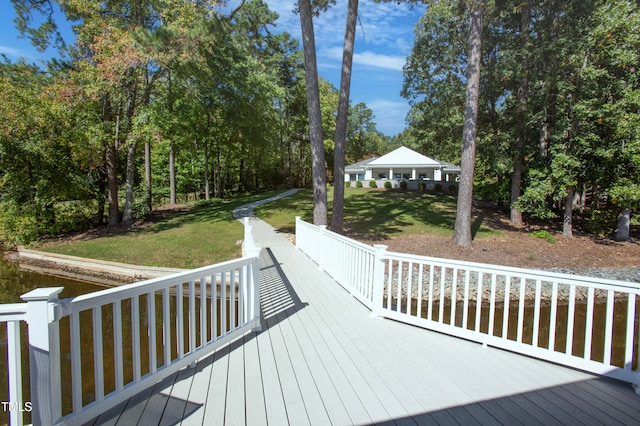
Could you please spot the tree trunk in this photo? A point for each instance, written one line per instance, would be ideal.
(462, 230)
(567, 223)
(207, 191)
(112, 184)
(172, 176)
(147, 175)
(337, 218)
(622, 232)
(127, 216)
(315, 115)
(521, 101)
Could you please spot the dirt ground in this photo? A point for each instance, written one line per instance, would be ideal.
(518, 248)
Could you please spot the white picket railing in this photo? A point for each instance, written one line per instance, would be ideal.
(582, 322)
(89, 353)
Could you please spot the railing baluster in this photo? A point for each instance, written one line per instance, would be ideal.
(536, 315)
(571, 311)
(223, 304)
(76, 363)
(399, 289)
(214, 307)
(479, 301)
(521, 303)
(589, 324)
(232, 300)
(117, 344)
(409, 287)
(242, 289)
(505, 310)
(420, 297)
(98, 355)
(180, 320)
(192, 316)
(443, 278)
(553, 317)
(151, 330)
(430, 307)
(454, 296)
(492, 305)
(628, 342)
(203, 311)
(166, 325)
(135, 338)
(608, 327)
(14, 364)
(465, 303)
(389, 282)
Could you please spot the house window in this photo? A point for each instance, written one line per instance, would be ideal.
(406, 176)
(397, 175)
(422, 176)
(382, 175)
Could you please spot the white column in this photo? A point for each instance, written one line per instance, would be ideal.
(413, 174)
(390, 173)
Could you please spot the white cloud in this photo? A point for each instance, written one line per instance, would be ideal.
(367, 59)
(12, 52)
(389, 115)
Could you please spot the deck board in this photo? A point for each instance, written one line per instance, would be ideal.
(322, 359)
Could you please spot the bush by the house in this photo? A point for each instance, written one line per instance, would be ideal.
(359, 184)
(437, 187)
(387, 184)
(347, 183)
(372, 184)
(403, 184)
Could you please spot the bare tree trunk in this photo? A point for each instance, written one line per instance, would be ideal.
(207, 190)
(112, 184)
(315, 115)
(567, 223)
(172, 176)
(127, 216)
(462, 230)
(622, 232)
(337, 218)
(521, 100)
(147, 175)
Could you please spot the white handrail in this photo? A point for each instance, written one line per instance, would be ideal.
(578, 321)
(146, 330)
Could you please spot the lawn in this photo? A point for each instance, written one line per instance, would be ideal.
(376, 214)
(187, 239)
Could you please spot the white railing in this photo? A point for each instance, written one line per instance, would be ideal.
(582, 322)
(13, 315)
(92, 352)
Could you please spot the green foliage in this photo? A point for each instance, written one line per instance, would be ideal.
(373, 184)
(403, 184)
(358, 184)
(422, 186)
(543, 234)
(602, 222)
(387, 184)
(347, 184)
(437, 187)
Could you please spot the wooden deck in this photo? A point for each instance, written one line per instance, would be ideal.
(321, 359)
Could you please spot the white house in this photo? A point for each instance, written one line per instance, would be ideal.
(403, 164)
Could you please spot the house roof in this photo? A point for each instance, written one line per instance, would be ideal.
(405, 157)
(359, 166)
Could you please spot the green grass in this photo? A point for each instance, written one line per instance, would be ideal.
(198, 237)
(376, 215)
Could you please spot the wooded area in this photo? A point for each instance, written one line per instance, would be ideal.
(558, 126)
(160, 101)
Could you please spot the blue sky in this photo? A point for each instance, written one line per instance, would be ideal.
(384, 37)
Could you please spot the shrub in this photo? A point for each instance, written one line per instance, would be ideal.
(453, 189)
(422, 186)
(403, 184)
(438, 187)
(387, 184)
(602, 222)
(359, 184)
(347, 183)
(373, 184)
(545, 235)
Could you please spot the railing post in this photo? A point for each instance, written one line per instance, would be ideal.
(297, 233)
(378, 280)
(44, 354)
(254, 301)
